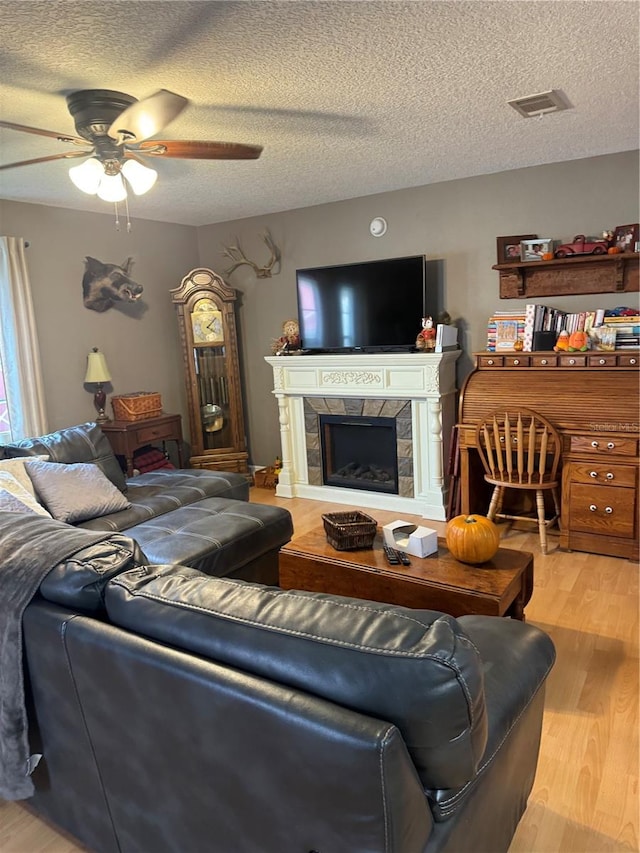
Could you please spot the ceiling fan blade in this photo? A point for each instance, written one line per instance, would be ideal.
(149, 116)
(63, 137)
(65, 156)
(189, 149)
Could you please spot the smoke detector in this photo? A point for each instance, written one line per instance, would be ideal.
(540, 104)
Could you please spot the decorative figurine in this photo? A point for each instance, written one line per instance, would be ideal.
(562, 343)
(426, 339)
(578, 341)
(289, 341)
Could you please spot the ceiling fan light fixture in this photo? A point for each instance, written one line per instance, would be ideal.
(112, 188)
(87, 175)
(139, 177)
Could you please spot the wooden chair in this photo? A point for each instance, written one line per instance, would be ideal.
(520, 449)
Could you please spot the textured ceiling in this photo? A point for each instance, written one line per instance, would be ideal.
(347, 98)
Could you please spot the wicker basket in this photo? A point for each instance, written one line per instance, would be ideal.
(137, 406)
(349, 531)
(265, 478)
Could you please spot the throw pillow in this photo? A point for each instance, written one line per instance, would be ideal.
(12, 487)
(82, 443)
(75, 492)
(16, 468)
(10, 503)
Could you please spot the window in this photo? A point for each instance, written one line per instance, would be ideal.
(22, 408)
(5, 424)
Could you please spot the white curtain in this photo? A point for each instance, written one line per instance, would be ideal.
(19, 343)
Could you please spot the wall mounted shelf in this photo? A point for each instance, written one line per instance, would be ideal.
(570, 276)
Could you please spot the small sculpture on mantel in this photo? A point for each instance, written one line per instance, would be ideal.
(289, 341)
(426, 339)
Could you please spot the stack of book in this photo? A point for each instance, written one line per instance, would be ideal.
(505, 331)
(627, 330)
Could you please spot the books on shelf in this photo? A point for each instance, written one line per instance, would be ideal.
(515, 330)
(505, 331)
(627, 330)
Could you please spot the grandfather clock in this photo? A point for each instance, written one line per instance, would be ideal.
(206, 318)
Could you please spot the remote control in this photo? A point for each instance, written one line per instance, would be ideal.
(392, 557)
(404, 559)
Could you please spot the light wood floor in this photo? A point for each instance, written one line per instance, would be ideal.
(585, 797)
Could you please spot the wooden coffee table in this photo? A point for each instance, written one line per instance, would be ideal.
(501, 587)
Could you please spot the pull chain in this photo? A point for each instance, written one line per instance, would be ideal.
(115, 204)
(126, 204)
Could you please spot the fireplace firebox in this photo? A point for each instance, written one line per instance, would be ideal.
(359, 452)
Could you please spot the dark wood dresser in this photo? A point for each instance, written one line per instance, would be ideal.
(593, 398)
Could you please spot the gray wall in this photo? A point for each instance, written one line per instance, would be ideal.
(455, 224)
(140, 341)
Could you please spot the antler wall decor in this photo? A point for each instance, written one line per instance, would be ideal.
(236, 254)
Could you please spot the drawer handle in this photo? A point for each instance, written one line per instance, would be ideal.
(602, 361)
(610, 445)
(608, 510)
(594, 475)
(593, 508)
(516, 361)
(595, 444)
(572, 361)
(632, 361)
(490, 361)
(544, 361)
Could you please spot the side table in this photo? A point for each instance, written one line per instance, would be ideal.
(125, 437)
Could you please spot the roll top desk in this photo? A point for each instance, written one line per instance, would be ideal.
(593, 398)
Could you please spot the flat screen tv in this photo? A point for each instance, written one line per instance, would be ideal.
(372, 306)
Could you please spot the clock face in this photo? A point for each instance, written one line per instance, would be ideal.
(206, 323)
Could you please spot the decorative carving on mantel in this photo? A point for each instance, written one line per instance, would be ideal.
(351, 377)
(432, 380)
(278, 379)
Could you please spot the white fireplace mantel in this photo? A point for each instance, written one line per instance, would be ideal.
(427, 380)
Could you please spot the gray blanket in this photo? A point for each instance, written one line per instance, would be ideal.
(30, 546)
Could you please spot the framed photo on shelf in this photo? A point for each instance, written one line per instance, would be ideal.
(533, 250)
(509, 248)
(625, 237)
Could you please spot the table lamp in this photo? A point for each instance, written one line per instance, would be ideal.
(98, 374)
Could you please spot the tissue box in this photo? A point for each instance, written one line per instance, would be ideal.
(404, 536)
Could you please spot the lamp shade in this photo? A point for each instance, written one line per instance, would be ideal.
(141, 178)
(87, 175)
(112, 188)
(97, 370)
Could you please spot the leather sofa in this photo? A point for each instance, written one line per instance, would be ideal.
(198, 517)
(177, 711)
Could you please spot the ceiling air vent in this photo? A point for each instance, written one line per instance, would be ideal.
(540, 104)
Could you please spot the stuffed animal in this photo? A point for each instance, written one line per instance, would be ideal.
(562, 344)
(426, 339)
(578, 341)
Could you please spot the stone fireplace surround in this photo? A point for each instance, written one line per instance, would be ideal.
(399, 410)
(417, 388)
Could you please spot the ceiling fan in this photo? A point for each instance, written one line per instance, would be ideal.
(118, 129)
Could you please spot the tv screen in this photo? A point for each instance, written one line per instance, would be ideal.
(369, 306)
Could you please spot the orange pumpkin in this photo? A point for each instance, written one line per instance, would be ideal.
(613, 250)
(472, 539)
(547, 256)
(578, 341)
